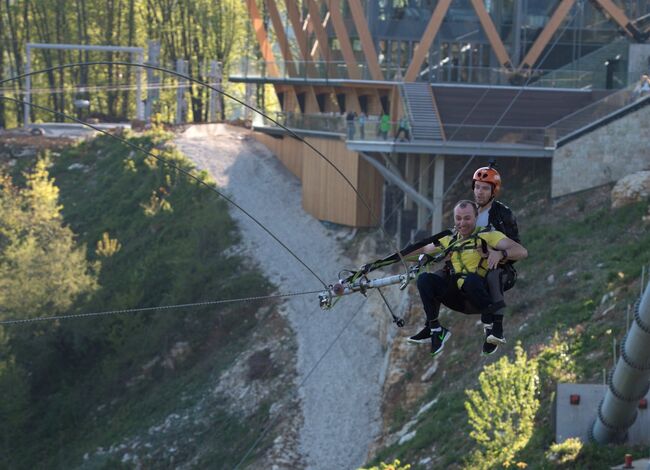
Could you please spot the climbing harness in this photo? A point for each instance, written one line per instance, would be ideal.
(358, 281)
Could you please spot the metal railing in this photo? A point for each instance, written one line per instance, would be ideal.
(371, 130)
(443, 72)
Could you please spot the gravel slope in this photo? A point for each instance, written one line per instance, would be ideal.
(338, 379)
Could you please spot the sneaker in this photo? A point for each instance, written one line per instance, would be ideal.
(488, 348)
(424, 336)
(495, 338)
(439, 337)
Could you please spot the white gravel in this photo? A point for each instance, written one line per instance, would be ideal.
(338, 379)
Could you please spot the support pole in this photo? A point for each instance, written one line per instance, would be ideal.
(153, 81)
(438, 192)
(215, 81)
(423, 190)
(410, 164)
(139, 108)
(28, 86)
(249, 101)
(181, 67)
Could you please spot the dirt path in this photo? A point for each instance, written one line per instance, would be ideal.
(338, 376)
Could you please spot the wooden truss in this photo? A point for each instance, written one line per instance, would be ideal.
(311, 28)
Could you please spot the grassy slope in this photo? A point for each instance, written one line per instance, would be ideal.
(169, 255)
(605, 249)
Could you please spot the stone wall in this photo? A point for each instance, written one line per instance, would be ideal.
(604, 155)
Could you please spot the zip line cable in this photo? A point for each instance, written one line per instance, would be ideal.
(177, 168)
(304, 380)
(149, 309)
(371, 213)
(322, 357)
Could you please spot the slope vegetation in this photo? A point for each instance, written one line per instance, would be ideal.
(140, 388)
(569, 308)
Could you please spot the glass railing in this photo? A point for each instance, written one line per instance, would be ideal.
(334, 123)
(372, 131)
(595, 63)
(499, 134)
(595, 112)
(444, 73)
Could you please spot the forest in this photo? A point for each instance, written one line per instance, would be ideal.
(198, 31)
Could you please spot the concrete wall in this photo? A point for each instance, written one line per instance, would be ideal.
(577, 420)
(604, 155)
(638, 62)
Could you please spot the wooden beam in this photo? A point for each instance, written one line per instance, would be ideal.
(547, 33)
(612, 10)
(320, 46)
(311, 103)
(491, 33)
(262, 39)
(367, 44)
(352, 100)
(296, 24)
(344, 39)
(283, 41)
(427, 39)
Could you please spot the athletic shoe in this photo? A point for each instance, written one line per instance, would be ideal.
(424, 336)
(495, 336)
(439, 337)
(488, 348)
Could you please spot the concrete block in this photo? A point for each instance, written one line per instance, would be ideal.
(577, 420)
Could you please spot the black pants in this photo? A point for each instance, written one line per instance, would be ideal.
(440, 288)
(406, 132)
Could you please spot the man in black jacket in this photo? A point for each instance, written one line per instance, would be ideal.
(486, 185)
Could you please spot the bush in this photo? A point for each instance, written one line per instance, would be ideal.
(564, 452)
(502, 412)
(396, 465)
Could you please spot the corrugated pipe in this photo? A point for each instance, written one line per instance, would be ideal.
(629, 382)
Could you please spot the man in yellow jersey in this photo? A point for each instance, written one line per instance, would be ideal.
(472, 252)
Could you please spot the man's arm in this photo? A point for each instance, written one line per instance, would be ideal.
(503, 219)
(430, 249)
(506, 250)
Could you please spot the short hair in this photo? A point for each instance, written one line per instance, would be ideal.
(466, 202)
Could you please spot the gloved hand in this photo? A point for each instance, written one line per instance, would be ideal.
(365, 269)
(424, 259)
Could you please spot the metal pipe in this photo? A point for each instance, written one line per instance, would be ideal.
(629, 382)
(399, 182)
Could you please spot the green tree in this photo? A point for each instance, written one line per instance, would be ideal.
(42, 270)
(502, 412)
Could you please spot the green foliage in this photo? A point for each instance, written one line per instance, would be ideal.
(395, 465)
(107, 246)
(564, 452)
(502, 412)
(556, 362)
(42, 270)
(58, 373)
(197, 31)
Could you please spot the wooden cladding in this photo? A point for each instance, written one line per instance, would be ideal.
(325, 193)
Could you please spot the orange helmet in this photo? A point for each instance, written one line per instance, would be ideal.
(487, 174)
